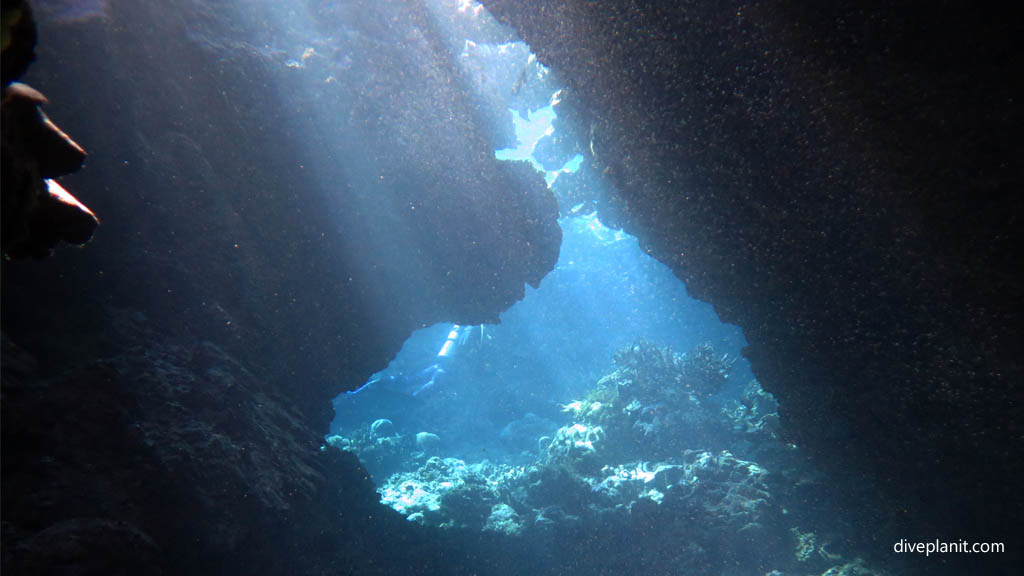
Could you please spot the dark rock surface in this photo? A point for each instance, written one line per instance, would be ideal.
(236, 214)
(842, 181)
(166, 389)
(175, 459)
(164, 456)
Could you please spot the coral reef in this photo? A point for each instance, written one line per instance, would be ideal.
(634, 453)
(504, 520)
(650, 369)
(447, 492)
(755, 412)
(654, 405)
(381, 450)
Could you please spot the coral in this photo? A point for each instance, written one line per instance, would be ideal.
(625, 458)
(446, 492)
(576, 447)
(653, 405)
(428, 443)
(382, 428)
(756, 412)
(729, 488)
(810, 550)
(381, 451)
(468, 504)
(504, 520)
(651, 370)
(418, 494)
(805, 546)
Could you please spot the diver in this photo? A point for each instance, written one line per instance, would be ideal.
(427, 378)
(458, 336)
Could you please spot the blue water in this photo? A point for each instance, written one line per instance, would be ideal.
(553, 346)
(548, 349)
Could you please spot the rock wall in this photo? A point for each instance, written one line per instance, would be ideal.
(842, 182)
(166, 389)
(230, 209)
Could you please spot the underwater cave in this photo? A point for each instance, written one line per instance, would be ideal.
(503, 287)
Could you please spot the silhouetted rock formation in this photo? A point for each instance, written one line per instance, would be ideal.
(842, 182)
(258, 256)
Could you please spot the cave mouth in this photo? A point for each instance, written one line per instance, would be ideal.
(607, 400)
(607, 372)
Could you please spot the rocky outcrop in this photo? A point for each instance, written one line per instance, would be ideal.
(841, 182)
(270, 238)
(304, 224)
(166, 457)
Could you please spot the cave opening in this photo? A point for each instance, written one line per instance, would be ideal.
(608, 369)
(605, 400)
(609, 329)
